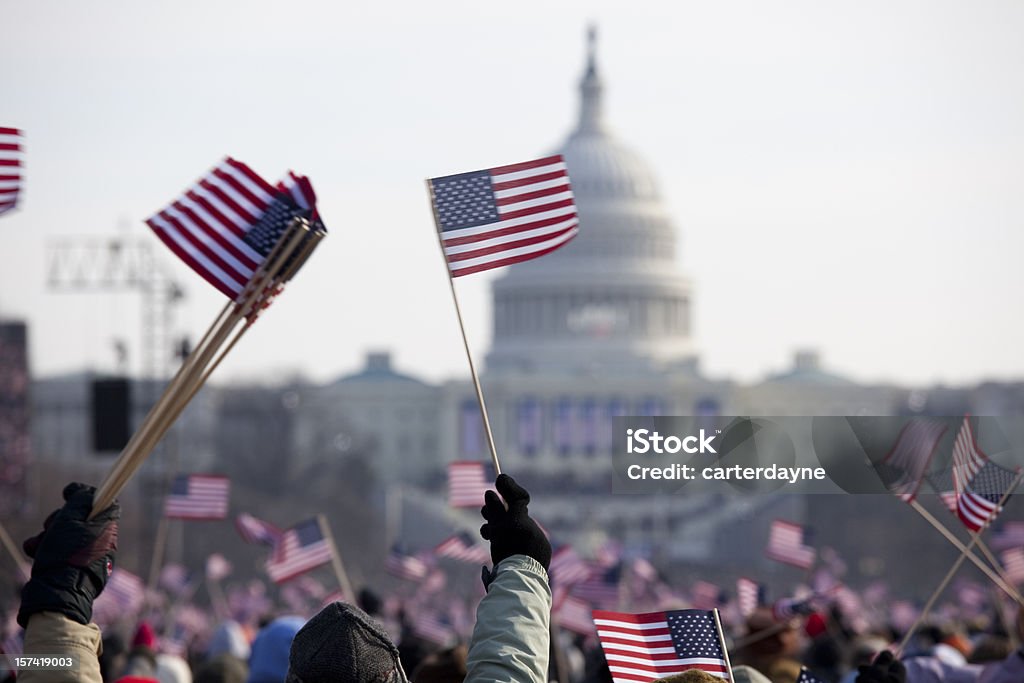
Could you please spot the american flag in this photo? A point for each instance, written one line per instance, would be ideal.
(785, 609)
(198, 496)
(567, 568)
(504, 215)
(255, 530)
(409, 567)
(217, 567)
(230, 220)
(979, 484)
(124, 592)
(174, 578)
(573, 614)
(601, 588)
(787, 544)
(467, 483)
(911, 455)
(464, 548)
(1013, 565)
(1008, 535)
(302, 548)
(648, 647)
(748, 595)
(430, 627)
(807, 677)
(705, 595)
(10, 168)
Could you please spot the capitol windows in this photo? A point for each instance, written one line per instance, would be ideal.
(529, 426)
(562, 426)
(471, 429)
(587, 427)
(652, 406)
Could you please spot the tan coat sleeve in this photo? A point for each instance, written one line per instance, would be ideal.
(51, 633)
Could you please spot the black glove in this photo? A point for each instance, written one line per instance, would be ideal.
(511, 531)
(885, 669)
(73, 557)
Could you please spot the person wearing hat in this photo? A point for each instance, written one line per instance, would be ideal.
(510, 638)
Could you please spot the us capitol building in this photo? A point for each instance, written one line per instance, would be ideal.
(599, 328)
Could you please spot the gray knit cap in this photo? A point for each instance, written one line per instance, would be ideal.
(342, 644)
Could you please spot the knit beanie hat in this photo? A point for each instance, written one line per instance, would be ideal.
(342, 644)
(268, 662)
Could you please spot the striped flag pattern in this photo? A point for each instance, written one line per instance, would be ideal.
(302, 548)
(1009, 535)
(573, 614)
(198, 496)
(10, 168)
(409, 567)
(225, 225)
(124, 591)
(646, 647)
(1013, 565)
(567, 568)
(748, 595)
(786, 544)
(979, 484)
(911, 455)
(464, 548)
(705, 595)
(504, 215)
(467, 483)
(256, 531)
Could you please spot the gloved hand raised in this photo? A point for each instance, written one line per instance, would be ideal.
(885, 669)
(73, 557)
(511, 531)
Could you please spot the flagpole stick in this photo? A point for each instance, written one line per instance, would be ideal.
(996, 564)
(15, 554)
(159, 547)
(188, 380)
(721, 641)
(949, 575)
(339, 568)
(1006, 586)
(465, 341)
(558, 654)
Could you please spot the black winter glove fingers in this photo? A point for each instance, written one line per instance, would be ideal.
(73, 557)
(885, 669)
(510, 530)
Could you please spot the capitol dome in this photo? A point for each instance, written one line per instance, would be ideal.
(613, 298)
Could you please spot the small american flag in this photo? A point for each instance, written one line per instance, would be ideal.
(979, 484)
(229, 222)
(10, 168)
(174, 578)
(601, 588)
(1008, 535)
(198, 496)
(255, 530)
(124, 591)
(1013, 564)
(302, 548)
(785, 609)
(573, 614)
(467, 483)
(748, 595)
(787, 544)
(911, 455)
(431, 627)
(807, 677)
(705, 595)
(647, 647)
(409, 567)
(464, 548)
(504, 215)
(567, 568)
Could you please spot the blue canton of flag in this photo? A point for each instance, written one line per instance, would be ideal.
(268, 229)
(465, 200)
(807, 677)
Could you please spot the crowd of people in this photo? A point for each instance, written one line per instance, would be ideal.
(513, 637)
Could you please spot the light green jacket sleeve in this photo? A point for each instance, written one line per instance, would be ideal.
(51, 633)
(510, 642)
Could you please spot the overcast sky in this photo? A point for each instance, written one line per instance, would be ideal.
(843, 176)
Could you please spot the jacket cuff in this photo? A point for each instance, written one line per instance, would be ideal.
(520, 563)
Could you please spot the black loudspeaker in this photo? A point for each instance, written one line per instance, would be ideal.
(111, 414)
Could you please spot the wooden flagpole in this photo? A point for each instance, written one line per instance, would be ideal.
(721, 641)
(197, 368)
(159, 548)
(997, 578)
(462, 329)
(952, 571)
(16, 555)
(339, 568)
